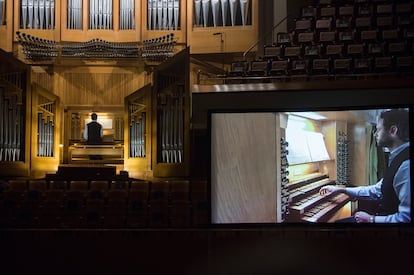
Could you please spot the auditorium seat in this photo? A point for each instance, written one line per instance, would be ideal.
(179, 190)
(119, 184)
(98, 189)
(93, 215)
(74, 204)
(137, 208)
(180, 210)
(116, 208)
(239, 68)
(95, 203)
(36, 191)
(33, 205)
(25, 215)
(158, 204)
(79, 185)
(353, 36)
(16, 191)
(158, 216)
(159, 191)
(180, 214)
(52, 211)
(199, 202)
(12, 198)
(327, 11)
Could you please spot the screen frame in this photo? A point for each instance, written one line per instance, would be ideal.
(318, 100)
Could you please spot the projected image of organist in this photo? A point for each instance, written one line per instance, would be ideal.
(393, 190)
(93, 134)
(325, 166)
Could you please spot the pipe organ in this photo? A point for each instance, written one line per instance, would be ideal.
(11, 125)
(37, 14)
(158, 49)
(45, 127)
(215, 13)
(158, 122)
(58, 40)
(46, 112)
(171, 122)
(2, 11)
(171, 114)
(163, 15)
(127, 15)
(131, 21)
(137, 130)
(74, 14)
(37, 49)
(100, 14)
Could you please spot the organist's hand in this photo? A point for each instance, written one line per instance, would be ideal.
(361, 216)
(330, 189)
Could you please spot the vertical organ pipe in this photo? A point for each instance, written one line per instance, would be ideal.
(159, 14)
(47, 14)
(244, 10)
(2, 128)
(215, 8)
(154, 14)
(170, 14)
(206, 12)
(41, 13)
(176, 13)
(224, 11)
(30, 12)
(164, 15)
(197, 4)
(36, 14)
(233, 11)
(2, 11)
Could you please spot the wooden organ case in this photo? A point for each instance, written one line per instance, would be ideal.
(46, 127)
(14, 144)
(158, 119)
(72, 44)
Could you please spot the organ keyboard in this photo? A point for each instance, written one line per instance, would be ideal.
(108, 153)
(306, 205)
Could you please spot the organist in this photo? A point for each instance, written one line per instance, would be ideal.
(393, 190)
(93, 134)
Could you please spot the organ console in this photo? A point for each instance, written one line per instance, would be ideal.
(306, 205)
(108, 153)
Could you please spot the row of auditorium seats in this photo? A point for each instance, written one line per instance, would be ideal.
(340, 37)
(103, 204)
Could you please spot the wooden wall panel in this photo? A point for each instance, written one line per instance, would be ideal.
(244, 168)
(43, 79)
(86, 86)
(97, 87)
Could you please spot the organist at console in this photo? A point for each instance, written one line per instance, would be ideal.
(110, 150)
(326, 148)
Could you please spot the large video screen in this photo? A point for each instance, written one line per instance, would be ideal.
(316, 167)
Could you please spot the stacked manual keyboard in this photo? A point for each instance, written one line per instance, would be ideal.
(307, 205)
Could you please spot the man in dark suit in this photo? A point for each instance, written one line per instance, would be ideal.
(93, 134)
